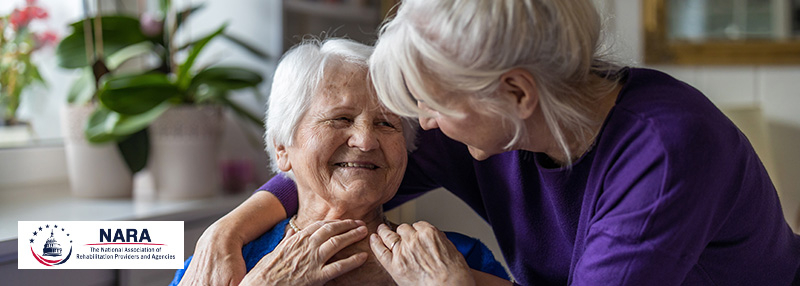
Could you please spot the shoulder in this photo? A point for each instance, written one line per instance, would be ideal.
(477, 255)
(664, 111)
(266, 243)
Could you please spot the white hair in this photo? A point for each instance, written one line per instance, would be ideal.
(463, 47)
(296, 80)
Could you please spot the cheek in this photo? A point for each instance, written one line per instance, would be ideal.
(397, 155)
(455, 129)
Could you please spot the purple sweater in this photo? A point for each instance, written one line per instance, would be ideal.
(672, 193)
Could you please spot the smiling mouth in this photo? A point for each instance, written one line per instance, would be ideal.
(356, 165)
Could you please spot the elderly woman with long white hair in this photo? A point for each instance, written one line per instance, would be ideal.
(327, 132)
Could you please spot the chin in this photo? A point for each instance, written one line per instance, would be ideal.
(479, 154)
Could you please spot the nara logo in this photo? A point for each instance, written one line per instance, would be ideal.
(49, 245)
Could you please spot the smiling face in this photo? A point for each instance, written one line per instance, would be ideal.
(348, 150)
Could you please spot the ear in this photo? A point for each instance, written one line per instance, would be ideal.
(521, 86)
(283, 158)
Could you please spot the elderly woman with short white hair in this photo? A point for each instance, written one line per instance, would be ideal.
(347, 154)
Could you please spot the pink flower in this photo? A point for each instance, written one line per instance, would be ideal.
(46, 39)
(21, 18)
(18, 18)
(36, 12)
(150, 25)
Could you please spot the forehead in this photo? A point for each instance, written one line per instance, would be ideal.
(345, 86)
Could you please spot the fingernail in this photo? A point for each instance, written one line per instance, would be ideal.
(373, 237)
(360, 222)
(361, 229)
(382, 226)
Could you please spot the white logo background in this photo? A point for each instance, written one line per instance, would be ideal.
(163, 251)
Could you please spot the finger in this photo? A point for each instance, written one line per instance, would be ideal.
(336, 269)
(380, 250)
(339, 242)
(423, 225)
(390, 238)
(405, 230)
(330, 229)
(310, 229)
(289, 232)
(423, 228)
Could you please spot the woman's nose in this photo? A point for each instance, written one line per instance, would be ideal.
(425, 121)
(363, 138)
(428, 123)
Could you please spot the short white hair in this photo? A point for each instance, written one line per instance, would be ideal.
(296, 80)
(463, 47)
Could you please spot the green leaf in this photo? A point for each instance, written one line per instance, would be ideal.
(82, 89)
(135, 150)
(99, 127)
(253, 50)
(181, 17)
(35, 76)
(137, 94)
(129, 124)
(113, 61)
(118, 32)
(183, 71)
(163, 6)
(225, 78)
(105, 125)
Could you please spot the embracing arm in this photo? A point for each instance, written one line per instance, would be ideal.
(483, 278)
(218, 255)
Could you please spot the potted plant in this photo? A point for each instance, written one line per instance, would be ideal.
(18, 43)
(173, 108)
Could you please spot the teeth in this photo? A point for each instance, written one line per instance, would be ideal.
(356, 165)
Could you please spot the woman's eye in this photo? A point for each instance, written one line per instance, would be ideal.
(342, 118)
(340, 122)
(385, 123)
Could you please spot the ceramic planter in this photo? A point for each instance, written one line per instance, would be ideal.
(16, 135)
(184, 152)
(95, 171)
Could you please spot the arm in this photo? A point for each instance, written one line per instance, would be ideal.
(482, 278)
(663, 203)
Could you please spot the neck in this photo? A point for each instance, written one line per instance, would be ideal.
(313, 208)
(309, 215)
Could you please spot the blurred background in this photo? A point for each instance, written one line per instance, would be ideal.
(207, 65)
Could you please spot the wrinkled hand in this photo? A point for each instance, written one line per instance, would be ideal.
(420, 255)
(216, 261)
(299, 259)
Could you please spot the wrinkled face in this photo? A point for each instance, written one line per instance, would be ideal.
(348, 149)
(484, 133)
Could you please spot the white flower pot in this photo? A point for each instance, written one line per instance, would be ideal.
(95, 171)
(15, 135)
(184, 152)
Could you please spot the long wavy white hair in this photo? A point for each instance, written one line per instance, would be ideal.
(464, 46)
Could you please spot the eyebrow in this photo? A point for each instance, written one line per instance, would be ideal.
(339, 108)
